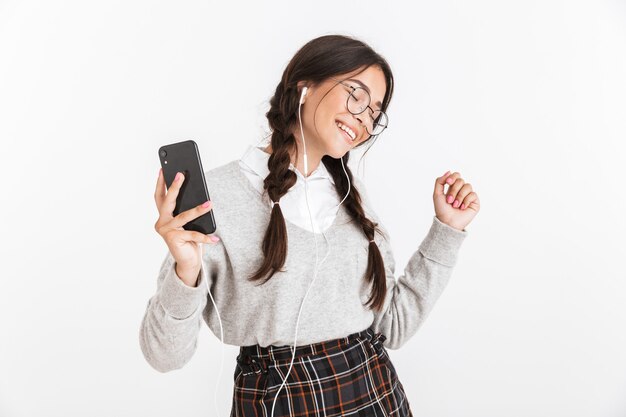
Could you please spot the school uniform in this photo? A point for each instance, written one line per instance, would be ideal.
(341, 364)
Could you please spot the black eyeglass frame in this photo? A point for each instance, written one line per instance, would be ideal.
(367, 107)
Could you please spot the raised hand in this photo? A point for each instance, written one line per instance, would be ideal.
(459, 205)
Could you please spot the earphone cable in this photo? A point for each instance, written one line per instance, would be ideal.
(315, 240)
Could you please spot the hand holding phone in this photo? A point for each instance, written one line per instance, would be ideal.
(182, 205)
(181, 242)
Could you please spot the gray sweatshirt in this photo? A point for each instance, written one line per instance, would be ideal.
(266, 314)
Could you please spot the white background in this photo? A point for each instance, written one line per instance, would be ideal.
(527, 100)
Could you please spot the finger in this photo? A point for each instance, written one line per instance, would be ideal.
(454, 188)
(469, 199)
(463, 192)
(169, 204)
(201, 237)
(452, 178)
(475, 204)
(440, 182)
(159, 193)
(188, 215)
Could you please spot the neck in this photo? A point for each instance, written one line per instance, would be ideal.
(314, 157)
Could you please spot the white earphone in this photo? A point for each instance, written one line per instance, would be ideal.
(306, 194)
(306, 159)
(303, 94)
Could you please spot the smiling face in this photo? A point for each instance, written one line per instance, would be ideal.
(325, 106)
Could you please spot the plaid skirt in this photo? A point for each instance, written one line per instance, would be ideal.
(349, 376)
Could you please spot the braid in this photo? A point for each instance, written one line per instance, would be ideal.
(277, 183)
(375, 272)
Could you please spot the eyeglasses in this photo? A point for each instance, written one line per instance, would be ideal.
(358, 101)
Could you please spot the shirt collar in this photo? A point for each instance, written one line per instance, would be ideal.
(256, 159)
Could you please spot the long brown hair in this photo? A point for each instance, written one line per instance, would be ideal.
(320, 58)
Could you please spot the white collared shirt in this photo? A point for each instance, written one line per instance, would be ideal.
(322, 196)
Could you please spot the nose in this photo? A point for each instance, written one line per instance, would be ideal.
(364, 120)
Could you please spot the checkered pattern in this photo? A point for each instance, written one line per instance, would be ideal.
(350, 376)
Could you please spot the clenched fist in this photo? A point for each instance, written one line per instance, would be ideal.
(459, 205)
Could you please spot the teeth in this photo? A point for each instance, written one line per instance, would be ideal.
(346, 129)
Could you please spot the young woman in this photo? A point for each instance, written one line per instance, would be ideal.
(276, 209)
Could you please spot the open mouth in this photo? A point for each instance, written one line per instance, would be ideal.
(345, 132)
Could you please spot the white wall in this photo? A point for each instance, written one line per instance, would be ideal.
(525, 99)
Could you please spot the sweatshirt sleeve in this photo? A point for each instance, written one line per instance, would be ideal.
(169, 330)
(411, 297)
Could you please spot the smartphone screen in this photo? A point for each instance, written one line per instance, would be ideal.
(184, 157)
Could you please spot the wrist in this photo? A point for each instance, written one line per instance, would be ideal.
(189, 275)
(451, 224)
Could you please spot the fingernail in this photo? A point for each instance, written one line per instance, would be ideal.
(206, 204)
(463, 206)
(450, 198)
(450, 180)
(215, 238)
(456, 203)
(177, 176)
(446, 173)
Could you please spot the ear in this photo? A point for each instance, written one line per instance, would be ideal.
(301, 85)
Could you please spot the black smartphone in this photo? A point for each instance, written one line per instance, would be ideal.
(184, 157)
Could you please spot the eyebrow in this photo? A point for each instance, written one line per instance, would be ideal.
(359, 82)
